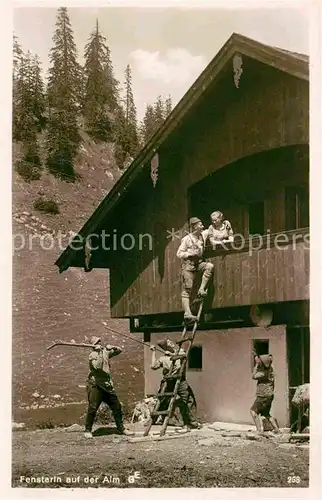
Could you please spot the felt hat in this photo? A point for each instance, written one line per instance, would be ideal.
(193, 221)
(95, 340)
(163, 344)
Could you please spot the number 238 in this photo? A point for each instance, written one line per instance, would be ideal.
(293, 479)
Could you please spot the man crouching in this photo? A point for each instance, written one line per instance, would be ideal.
(100, 386)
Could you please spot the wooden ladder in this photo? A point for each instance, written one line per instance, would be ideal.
(178, 377)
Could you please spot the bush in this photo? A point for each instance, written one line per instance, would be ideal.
(60, 165)
(29, 167)
(28, 171)
(45, 424)
(46, 206)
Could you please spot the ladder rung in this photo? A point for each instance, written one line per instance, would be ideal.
(160, 395)
(172, 377)
(163, 412)
(182, 341)
(178, 356)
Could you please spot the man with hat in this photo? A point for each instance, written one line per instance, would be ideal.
(100, 386)
(263, 373)
(186, 396)
(191, 252)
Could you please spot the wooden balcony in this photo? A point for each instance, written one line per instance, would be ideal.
(274, 268)
(256, 271)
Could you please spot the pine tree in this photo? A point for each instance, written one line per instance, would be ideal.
(100, 99)
(64, 74)
(28, 106)
(159, 113)
(130, 132)
(19, 96)
(119, 139)
(168, 106)
(63, 93)
(30, 94)
(112, 83)
(37, 90)
(17, 55)
(147, 127)
(130, 110)
(126, 136)
(17, 77)
(155, 115)
(22, 93)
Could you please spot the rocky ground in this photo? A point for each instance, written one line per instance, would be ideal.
(206, 458)
(49, 386)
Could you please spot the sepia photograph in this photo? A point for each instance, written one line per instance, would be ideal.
(161, 247)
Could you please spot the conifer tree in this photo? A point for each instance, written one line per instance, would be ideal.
(100, 99)
(112, 83)
(19, 93)
(37, 91)
(63, 93)
(28, 107)
(130, 109)
(154, 116)
(131, 132)
(119, 139)
(168, 106)
(147, 127)
(30, 94)
(17, 54)
(159, 113)
(126, 137)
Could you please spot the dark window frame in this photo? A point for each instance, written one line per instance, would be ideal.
(200, 363)
(256, 226)
(297, 209)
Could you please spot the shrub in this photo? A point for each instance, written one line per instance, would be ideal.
(46, 424)
(60, 165)
(28, 171)
(29, 167)
(46, 206)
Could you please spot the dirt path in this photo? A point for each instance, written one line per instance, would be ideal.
(201, 458)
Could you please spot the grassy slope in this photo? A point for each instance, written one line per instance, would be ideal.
(48, 306)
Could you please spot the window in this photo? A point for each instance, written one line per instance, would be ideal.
(296, 207)
(195, 358)
(256, 218)
(259, 347)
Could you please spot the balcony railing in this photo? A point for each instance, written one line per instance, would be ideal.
(261, 269)
(258, 242)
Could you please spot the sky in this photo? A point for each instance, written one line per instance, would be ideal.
(166, 48)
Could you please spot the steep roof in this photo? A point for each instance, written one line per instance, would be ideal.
(290, 62)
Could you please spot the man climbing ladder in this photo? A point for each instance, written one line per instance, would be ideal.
(191, 252)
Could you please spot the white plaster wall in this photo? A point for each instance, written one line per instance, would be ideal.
(224, 389)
